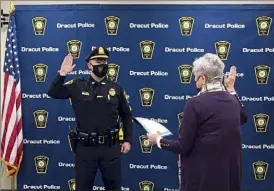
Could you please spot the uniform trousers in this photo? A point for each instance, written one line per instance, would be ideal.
(89, 159)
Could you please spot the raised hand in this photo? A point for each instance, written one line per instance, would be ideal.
(229, 80)
(67, 65)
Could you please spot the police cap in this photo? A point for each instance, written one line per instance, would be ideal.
(98, 52)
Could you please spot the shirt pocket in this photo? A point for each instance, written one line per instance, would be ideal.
(112, 100)
(83, 98)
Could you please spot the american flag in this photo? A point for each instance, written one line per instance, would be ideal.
(11, 131)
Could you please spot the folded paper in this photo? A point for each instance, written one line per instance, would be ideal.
(152, 127)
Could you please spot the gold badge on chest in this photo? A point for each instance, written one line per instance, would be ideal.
(112, 92)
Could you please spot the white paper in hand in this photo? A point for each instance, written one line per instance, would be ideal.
(152, 127)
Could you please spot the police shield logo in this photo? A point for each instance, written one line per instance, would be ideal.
(146, 147)
(263, 25)
(185, 73)
(180, 116)
(222, 49)
(41, 164)
(112, 25)
(40, 117)
(186, 25)
(262, 73)
(147, 49)
(146, 185)
(147, 95)
(40, 72)
(72, 184)
(113, 72)
(74, 48)
(39, 25)
(260, 170)
(261, 122)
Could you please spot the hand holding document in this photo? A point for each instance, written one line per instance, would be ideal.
(152, 127)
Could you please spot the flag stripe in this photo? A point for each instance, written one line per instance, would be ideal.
(8, 111)
(4, 112)
(10, 120)
(10, 146)
(12, 143)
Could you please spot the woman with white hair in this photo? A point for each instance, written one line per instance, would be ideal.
(209, 140)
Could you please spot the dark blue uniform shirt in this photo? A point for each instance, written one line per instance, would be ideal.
(97, 105)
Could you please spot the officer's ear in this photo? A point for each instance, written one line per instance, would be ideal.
(90, 65)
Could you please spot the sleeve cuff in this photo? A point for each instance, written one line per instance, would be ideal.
(158, 142)
(237, 96)
(233, 93)
(128, 139)
(61, 77)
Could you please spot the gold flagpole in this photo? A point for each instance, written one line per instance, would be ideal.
(12, 7)
(12, 186)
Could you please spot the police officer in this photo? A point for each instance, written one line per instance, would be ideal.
(99, 105)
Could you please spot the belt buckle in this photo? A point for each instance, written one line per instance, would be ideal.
(101, 139)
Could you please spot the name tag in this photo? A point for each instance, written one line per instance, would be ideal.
(99, 96)
(85, 93)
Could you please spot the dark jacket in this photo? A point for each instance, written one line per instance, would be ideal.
(209, 143)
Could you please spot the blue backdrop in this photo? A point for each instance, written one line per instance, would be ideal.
(152, 47)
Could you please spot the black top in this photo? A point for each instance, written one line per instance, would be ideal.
(97, 105)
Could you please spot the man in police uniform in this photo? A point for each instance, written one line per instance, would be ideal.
(99, 105)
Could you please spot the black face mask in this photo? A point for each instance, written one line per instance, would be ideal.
(100, 70)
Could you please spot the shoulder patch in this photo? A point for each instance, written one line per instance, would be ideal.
(126, 96)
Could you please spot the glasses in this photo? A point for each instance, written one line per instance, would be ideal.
(196, 79)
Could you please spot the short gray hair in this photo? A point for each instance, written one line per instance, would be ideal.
(209, 65)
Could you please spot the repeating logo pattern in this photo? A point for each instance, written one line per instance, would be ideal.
(260, 169)
(261, 122)
(146, 185)
(263, 25)
(41, 118)
(222, 49)
(148, 49)
(74, 48)
(39, 25)
(186, 25)
(41, 164)
(112, 25)
(113, 72)
(262, 74)
(72, 184)
(145, 144)
(40, 72)
(147, 96)
(185, 72)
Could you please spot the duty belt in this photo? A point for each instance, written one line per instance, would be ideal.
(110, 138)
